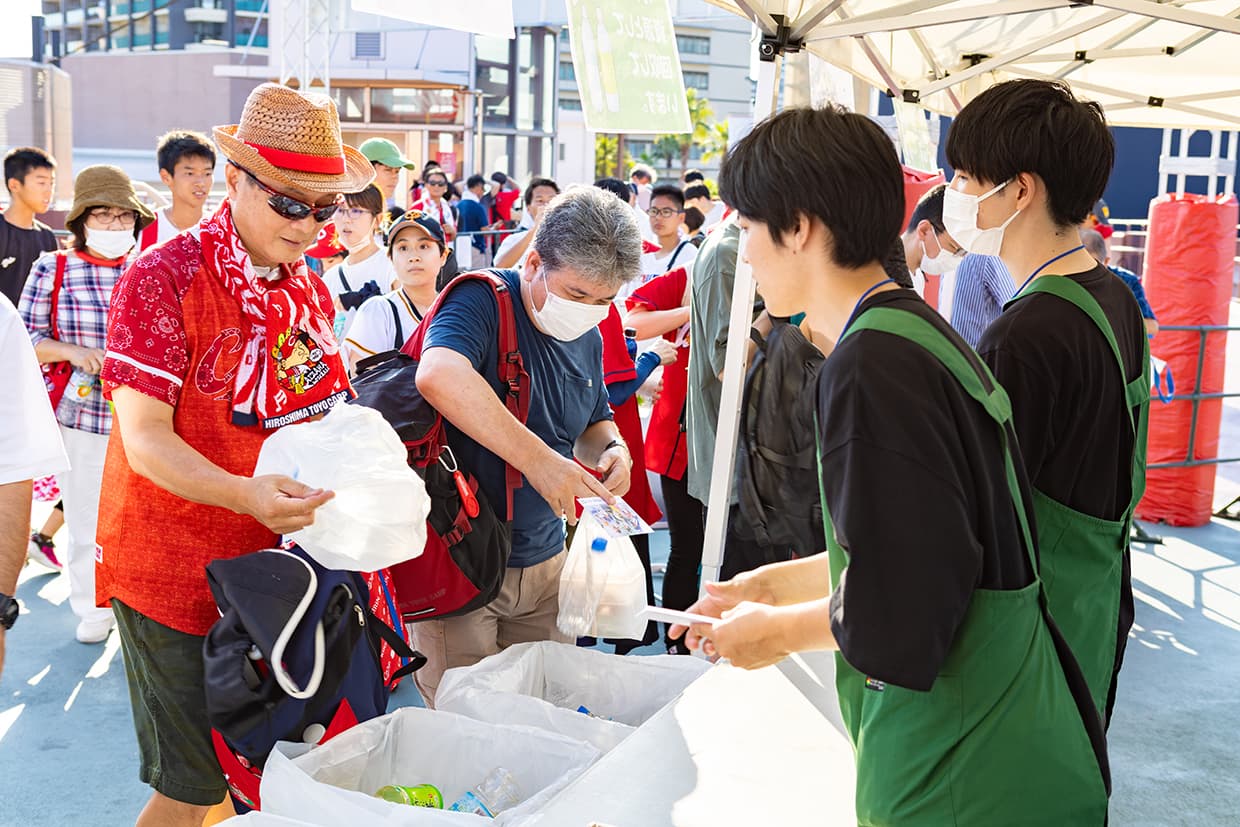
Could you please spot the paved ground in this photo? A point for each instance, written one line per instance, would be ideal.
(68, 755)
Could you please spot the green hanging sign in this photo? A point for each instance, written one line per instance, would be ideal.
(627, 66)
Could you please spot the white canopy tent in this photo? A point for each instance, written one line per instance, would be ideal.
(1150, 63)
(1159, 63)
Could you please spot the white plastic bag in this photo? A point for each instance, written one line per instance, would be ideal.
(545, 684)
(378, 516)
(602, 593)
(334, 784)
(258, 819)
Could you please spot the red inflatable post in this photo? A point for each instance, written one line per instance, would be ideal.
(916, 184)
(1188, 280)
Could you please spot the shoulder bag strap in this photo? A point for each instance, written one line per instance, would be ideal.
(400, 329)
(343, 281)
(62, 261)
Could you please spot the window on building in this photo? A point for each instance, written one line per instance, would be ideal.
(570, 104)
(416, 106)
(697, 80)
(692, 44)
(566, 72)
(350, 103)
(368, 45)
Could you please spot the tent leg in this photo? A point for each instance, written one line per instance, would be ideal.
(734, 369)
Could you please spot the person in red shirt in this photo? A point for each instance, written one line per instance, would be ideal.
(215, 339)
(624, 371)
(660, 307)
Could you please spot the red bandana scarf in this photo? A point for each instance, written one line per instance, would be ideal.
(292, 367)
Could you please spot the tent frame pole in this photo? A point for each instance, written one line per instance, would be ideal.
(736, 356)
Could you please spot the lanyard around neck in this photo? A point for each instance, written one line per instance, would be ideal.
(1044, 266)
(865, 296)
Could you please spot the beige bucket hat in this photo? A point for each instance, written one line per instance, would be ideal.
(293, 138)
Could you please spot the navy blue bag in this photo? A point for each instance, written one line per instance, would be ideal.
(295, 656)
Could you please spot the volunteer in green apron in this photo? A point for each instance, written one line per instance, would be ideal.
(1083, 556)
(964, 706)
(1070, 349)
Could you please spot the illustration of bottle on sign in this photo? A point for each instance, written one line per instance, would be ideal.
(607, 65)
(593, 81)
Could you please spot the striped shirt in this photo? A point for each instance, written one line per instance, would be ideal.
(983, 286)
(81, 319)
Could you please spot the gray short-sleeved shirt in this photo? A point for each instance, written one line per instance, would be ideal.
(714, 275)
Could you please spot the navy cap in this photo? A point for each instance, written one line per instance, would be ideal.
(411, 218)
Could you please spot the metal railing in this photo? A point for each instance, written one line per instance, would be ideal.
(1197, 397)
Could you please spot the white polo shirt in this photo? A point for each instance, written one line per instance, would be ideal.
(30, 445)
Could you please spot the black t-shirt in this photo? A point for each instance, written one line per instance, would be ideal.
(1067, 395)
(913, 471)
(18, 250)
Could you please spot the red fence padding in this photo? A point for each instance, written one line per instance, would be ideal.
(916, 184)
(1188, 280)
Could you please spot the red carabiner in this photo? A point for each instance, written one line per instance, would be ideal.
(468, 500)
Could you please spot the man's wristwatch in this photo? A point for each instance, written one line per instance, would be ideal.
(8, 611)
(620, 443)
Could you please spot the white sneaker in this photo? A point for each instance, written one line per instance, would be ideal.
(95, 631)
(43, 552)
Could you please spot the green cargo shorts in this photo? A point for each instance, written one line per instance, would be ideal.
(164, 669)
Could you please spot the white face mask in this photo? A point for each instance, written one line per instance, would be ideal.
(960, 220)
(944, 262)
(109, 243)
(568, 320)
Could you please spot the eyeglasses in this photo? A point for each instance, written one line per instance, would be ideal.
(436, 183)
(666, 212)
(286, 206)
(125, 219)
(352, 212)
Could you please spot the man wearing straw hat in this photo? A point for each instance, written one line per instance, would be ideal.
(196, 338)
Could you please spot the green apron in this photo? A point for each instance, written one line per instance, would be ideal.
(1082, 556)
(999, 739)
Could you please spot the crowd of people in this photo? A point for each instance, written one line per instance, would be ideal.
(981, 630)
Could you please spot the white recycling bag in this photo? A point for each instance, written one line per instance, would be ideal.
(378, 516)
(334, 784)
(602, 592)
(546, 685)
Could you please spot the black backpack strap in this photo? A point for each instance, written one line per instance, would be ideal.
(345, 282)
(671, 262)
(415, 659)
(400, 329)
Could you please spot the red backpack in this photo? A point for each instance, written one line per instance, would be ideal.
(467, 547)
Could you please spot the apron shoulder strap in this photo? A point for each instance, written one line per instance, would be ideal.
(1136, 392)
(976, 380)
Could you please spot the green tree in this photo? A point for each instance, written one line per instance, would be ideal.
(716, 143)
(701, 122)
(606, 148)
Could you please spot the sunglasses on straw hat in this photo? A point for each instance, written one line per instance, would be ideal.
(286, 206)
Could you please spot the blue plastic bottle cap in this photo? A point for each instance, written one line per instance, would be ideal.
(599, 544)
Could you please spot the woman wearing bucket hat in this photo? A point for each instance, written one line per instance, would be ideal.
(65, 307)
(216, 338)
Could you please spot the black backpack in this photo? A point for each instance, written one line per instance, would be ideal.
(778, 472)
(467, 543)
(280, 609)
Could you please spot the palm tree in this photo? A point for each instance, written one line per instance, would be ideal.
(716, 143)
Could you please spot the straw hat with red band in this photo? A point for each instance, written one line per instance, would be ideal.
(294, 139)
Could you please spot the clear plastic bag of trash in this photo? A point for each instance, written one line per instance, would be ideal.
(378, 516)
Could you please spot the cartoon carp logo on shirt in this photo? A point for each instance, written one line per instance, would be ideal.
(298, 360)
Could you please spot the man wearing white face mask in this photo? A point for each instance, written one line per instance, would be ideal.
(586, 246)
(65, 307)
(931, 251)
(1069, 348)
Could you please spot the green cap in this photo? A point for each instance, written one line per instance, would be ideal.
(383, 151)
